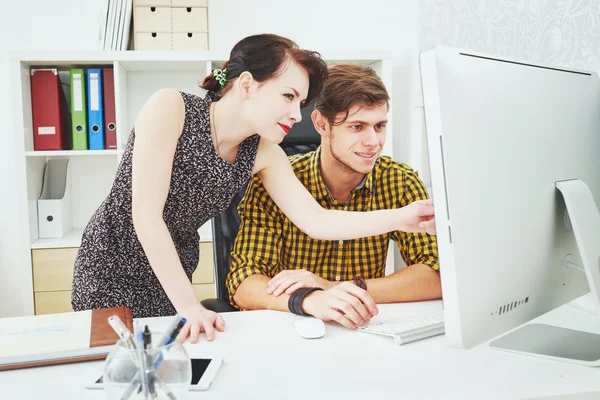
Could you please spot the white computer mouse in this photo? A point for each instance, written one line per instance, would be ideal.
(309, 327)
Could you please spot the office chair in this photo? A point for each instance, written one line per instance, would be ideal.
(301, 139)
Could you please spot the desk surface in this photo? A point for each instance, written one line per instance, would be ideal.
(264, 355)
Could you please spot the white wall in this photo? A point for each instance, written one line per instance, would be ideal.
(565, 33)
(326, 26)
(557, 33)
(30, 25)
(7, 198)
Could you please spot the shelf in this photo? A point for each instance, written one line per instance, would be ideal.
(173, 61)
(71, 239)
(71, 153)
(163, 60)
(206, 238)
(50, 56)
(91, 56)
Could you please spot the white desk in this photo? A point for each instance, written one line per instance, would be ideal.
(265, 359)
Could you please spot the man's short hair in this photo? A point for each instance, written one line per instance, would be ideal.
(346, 86)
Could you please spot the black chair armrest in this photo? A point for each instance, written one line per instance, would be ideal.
(218, 305)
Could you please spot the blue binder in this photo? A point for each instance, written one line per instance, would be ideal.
(95, 109)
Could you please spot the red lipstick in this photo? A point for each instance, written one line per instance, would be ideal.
(285, 128)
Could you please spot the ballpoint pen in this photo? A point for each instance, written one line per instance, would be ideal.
(165, 388)
(148, 357)
(168, 338)
(172, 331)
(147, 337)
(139, 338)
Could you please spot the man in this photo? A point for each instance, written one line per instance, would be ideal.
(276, 266)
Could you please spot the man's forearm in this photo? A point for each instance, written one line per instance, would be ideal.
(252, 294)
(414, 283)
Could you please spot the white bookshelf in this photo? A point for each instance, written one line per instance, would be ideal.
(71, 153)
(137, 75)
(72, 239)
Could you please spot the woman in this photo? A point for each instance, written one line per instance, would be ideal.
(185, 159)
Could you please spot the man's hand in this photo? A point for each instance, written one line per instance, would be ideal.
(346, 303)
(289, 281)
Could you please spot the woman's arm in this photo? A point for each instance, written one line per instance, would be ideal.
(277, 176)
(157, 130)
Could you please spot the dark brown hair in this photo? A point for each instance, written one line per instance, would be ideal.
(262, 56)
(348, 85)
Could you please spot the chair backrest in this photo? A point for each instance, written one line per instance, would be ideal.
(301, 139)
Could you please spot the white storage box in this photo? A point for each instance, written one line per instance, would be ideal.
(153, 41)
(152, 19)
(189, 19)
(54, 204)
(189, 3)
(154, 3)
(190, 41)
(170, 25)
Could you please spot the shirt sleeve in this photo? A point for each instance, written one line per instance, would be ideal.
(416, 248)
(258, 242)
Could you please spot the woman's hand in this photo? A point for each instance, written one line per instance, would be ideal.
(289, 281)
(418, 217)
(199, 319)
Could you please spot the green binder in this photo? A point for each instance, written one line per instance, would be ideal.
(78, 110)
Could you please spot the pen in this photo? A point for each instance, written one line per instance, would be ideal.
(147, 338)
(168, 338)
(172, 331)
(148, 357)
(121, 329)
(166, 389)
(139, 337)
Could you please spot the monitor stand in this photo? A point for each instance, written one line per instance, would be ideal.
(554, 342)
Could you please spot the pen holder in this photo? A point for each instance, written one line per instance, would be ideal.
(161, 372)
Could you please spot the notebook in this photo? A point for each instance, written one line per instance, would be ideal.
(33, 341)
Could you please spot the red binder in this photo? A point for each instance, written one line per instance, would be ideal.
(110, 120)
(50, 111)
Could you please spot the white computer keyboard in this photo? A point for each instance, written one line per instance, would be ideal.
(408, 329)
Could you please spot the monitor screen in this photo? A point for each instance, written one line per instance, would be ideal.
(500, 134)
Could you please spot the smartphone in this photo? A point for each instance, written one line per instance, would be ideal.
(204, 371)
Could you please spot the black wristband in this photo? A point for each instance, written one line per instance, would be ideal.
(296, 299)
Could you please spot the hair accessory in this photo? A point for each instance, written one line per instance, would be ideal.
(221, 76)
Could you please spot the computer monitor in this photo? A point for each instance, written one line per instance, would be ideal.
(500, 135)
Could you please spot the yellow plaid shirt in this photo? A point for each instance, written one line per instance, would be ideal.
(268, 242)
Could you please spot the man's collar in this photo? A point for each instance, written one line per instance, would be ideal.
(316, 177)
(321, 189)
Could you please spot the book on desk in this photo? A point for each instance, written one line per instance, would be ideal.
(33, 341)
